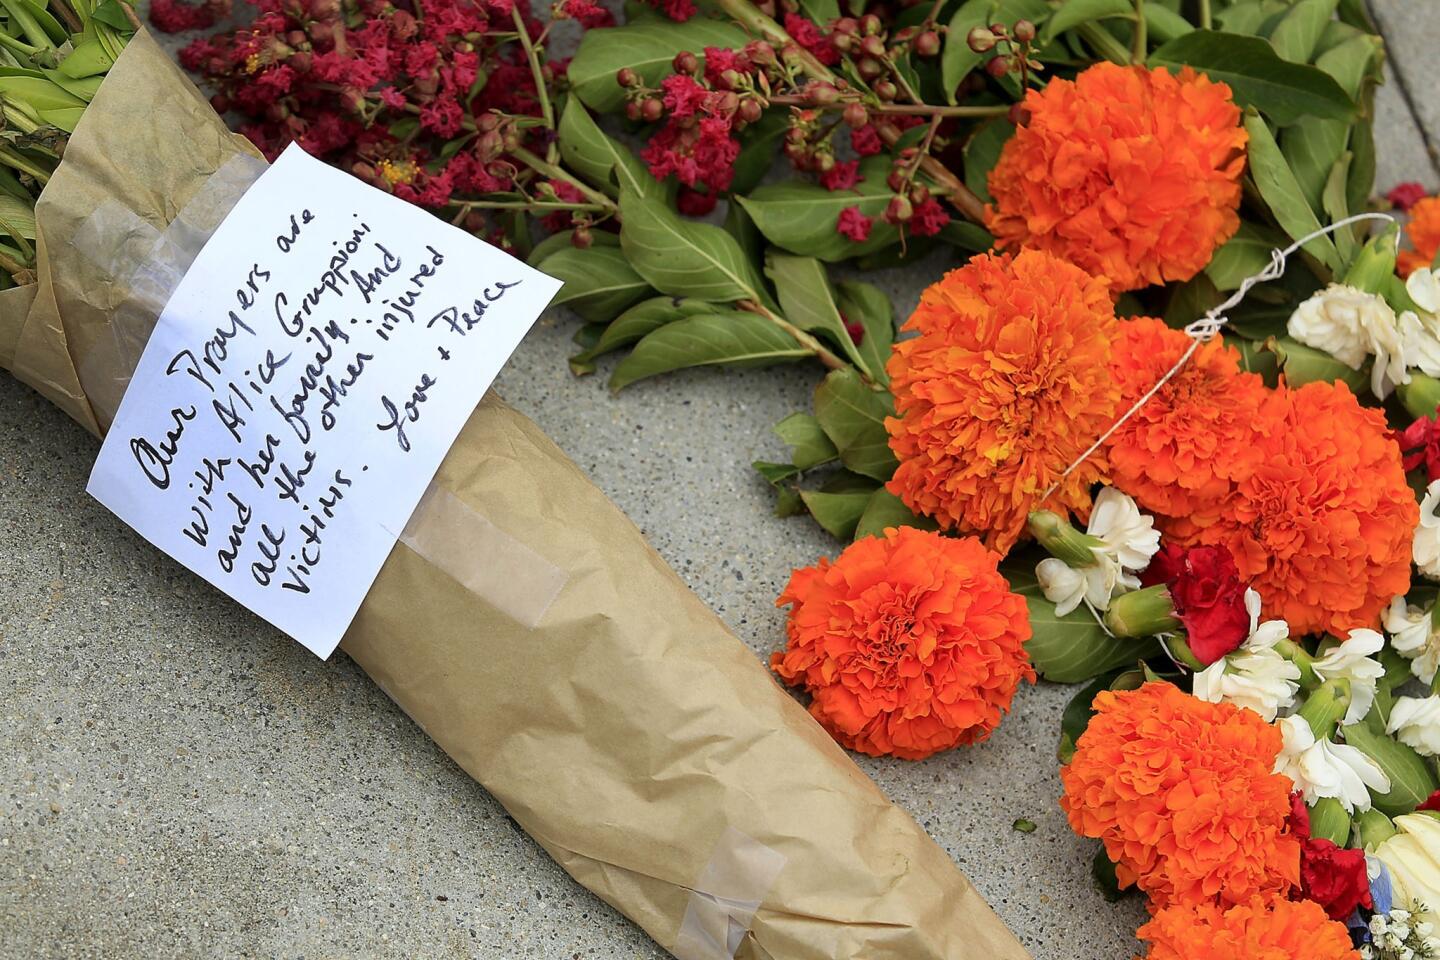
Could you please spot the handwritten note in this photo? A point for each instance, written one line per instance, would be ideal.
(302, 386)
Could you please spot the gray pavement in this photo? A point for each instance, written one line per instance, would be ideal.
(179, 780)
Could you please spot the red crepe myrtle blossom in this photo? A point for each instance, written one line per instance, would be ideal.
(866, 140)
(696, 153)
(1334, 877)
(804, 32)
(1208, 596)
(1405, 195)
(853, 224)
(854, 328)
(843, 176)
(176, 16)
(928, 219)
(695, 203)
(677, 10)
(1421, 444)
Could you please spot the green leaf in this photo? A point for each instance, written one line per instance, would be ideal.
(1411, 778)
(776, 473)
(1072, 648)
(800, 216)
(1078, 711)
(809, 444)
(1302, 365)
(1295, 36)
(808, 301)
(112, 14)
(647, 48)
(839, 505)
(596, 157)
(598, 282)
(853, 416)
(17, 216)
(1329, 821)
(1164, 24)
(887, 510)
(1362, 163)
(1258, 77)
(685, 258)
(1351, 62)
(957, 59)
(867, 305)
(1336, 208)
(983, 152)
(821, 11)
(1072, 13)
(734, 338)
(1311, 146)
(39, 93)
(1102, 871)
(967, 236)
(638, 321)
(1282, 193)
(1243, 255)
(561, 241)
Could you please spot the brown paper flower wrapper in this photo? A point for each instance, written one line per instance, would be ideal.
(525, 624)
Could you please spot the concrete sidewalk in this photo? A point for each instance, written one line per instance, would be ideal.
(179, 780)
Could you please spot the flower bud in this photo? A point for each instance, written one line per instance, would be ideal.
(846, 26)
(1061, 540)
(1325, 706)
(844, 42)
(896, 180)
(855, 115)
(927, 44)
(824, 162)
(898, 210)
(750, 110)
(652, 110)
(632, 109)
(729, 102)
(980, 39)
(873, 46)
(1375, 265)
(1024, 31)
(886, 90)
(869, 68)
(1421, 396)
(581, 237)
(686, 62)
(1142, 613)
(1374, 827)
(997, 67)
(627, 77)
(919, 193)
(1329, 821)
(870, 25)
(1019, 114)
(823, 94)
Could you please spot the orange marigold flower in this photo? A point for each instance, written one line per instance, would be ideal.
(1130, 173)
(1182, 795)
(1007, 383)
(1423, 229)
(1323, 526)
(909, 644)
(1263, 928)
(1183, 452)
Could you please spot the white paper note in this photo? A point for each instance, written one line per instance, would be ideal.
(302, 386)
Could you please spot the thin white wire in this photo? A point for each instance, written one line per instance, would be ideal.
(1207, 327)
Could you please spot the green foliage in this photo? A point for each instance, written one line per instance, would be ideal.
(647, 48)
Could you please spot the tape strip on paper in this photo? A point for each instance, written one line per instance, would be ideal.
(726, 896)
(484, 559)
(147, 265)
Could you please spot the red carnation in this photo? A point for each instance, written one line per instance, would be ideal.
(1334, 877)
(853, 224)
(1210, 601)
(1299, 816)
(1432, 802)
(1421, 443)
(1164, 566)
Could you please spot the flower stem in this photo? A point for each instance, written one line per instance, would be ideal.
(1205, 22)
(1104, 43)
(556, 173)
(538, 73)
(1138, 48)
(824, 354)
(894, 109)
(521, 205)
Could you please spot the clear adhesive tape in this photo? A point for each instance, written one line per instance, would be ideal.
(726, 896)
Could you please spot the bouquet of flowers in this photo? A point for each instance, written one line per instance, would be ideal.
(1174, 332)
